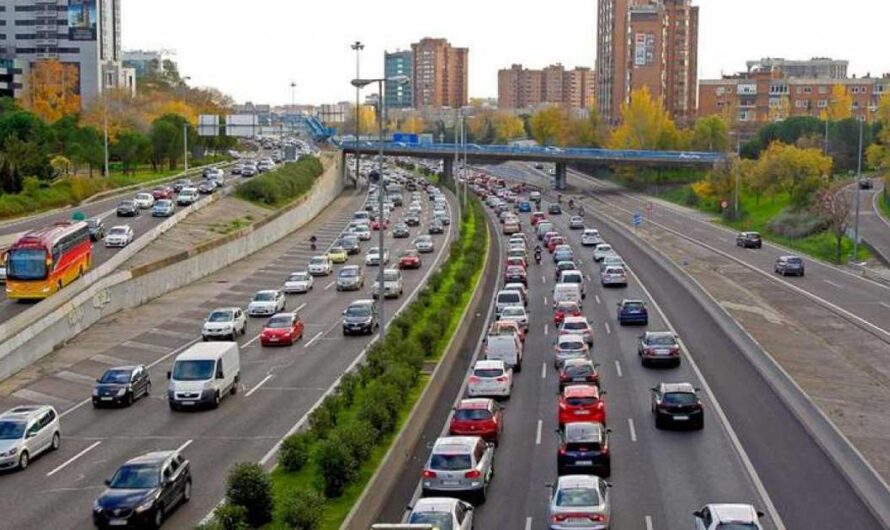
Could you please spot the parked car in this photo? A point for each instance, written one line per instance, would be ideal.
(490, 379)
(298, 283)
(224, 322)
(282, 329)
(748, 240)
(459, 465)
(580, 501)
(360, 317)
(632, 312)
(659, 348)
(727, 516)
(119, 236)
(163, 208)
(581, 403)
(584, 449)
(266, 303)
(96, 227)
(121, 386)
(127, 208)
(789, 265)
(677, 405)
(27, 431)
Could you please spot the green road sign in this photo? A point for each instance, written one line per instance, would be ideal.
(79, 216)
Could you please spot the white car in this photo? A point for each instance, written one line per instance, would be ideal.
(144, 200)
(613, 275)
(576, 222)
(517, 314)
(187, 196)
(611, 260)
(298, 282)
(363, 232)
(392, 284)
(601, 251)
(591, 237)
(266, 303)
(424, 244)
(577, 326)
(372, 258)
(490, 379)
(225, 322)
(320, 266)
(119, 236)
(728, 516)
(518, 287)
(442, 512)
(570, 347)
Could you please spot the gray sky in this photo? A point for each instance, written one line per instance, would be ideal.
(253, 50)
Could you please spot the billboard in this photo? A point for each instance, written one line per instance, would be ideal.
(208, 125)
(82, 17)
(644, 49)
(243, 125)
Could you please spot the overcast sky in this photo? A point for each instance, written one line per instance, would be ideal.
(253, 50)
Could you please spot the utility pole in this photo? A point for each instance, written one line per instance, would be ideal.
(738, 152)
(858, 178)
(357, 46)
(381, 191)
(105, 129)
(185, 145)
(293, 105)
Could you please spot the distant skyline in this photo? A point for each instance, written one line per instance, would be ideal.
(252, 51)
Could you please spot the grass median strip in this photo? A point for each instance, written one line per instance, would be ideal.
(323, 470)
(282, 185)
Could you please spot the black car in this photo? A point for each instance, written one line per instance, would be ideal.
(96, 228)
(792, 265)
(554, 209)
(412, 220)
(749, 240)
(584, 449)
(127, 208)
(350, 244)
(143, 491)
(360, 318)
(400, 230)
(436, 228)
(865, 184)
(207, 187)
(121, 386)
(678, 405)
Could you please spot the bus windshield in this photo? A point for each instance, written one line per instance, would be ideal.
(26, 264)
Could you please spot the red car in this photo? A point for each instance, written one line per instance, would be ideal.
(375, 224)
(163, 192)
(409, 259)
(515, 262)
(481, 417)
(283, 328)
(515, 274)
(554, 241)
(565, 309)
(548, 236)
(581, 403)
(537, 217)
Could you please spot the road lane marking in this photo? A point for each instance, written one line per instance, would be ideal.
(649, 523)
(633, 431)
(545, 328)
(538, 434)
(618, 368)
(829, 282)
(182, 447)
(545, 301)
(598, 299)
(65, 464)
(313, 339)
(251, 341)
(528, 523)
(300, 307)
(885, 305)
(543, 370)
(328, 286)
(258, 385)
(543, 279)
(608, 329)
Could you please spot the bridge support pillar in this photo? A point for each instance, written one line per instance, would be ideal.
(560, 180)
(448, 169)
(344, 173)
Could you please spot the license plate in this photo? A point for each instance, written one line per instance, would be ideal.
(582, 379)
(662, 352)
(273, 339)
(107, 398)
(450, 483)
(584, 462)
(117, 522)
(582, 412)
(187, 403)
(681, 418)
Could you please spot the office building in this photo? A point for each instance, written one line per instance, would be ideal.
(815, 68)
(647, 43)
(147, 61)
(521, 88)
(398, 63)
(440, 73)
(84, 33)
(12, 78)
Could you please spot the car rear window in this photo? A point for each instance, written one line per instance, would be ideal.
(578, 370)
(580, 401)
(574, 326)
(472, 415)
(577, 497)
(450, 462)
(680, 398)
(571, 345)
(488, 372)
(795, 261)
(583, 446)
(509, 298)
(660, 340)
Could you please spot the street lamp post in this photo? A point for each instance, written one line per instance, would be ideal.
(357, 46)
(185, 135)
(293, 106)
(858, 178)
(105, 128)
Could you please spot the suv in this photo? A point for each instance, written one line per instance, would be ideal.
(350, 278)
(748, 240)
(632, 312)
(786, 265)
(360, 317)
(224, 323)
(27, 431)
(459, 465)
(677, 404)
(584, 449)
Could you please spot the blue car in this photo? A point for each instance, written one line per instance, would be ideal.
(584, 450)
(163, 208)
(632, 312)
(525, 207)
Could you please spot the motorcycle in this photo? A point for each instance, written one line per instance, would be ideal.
(537, 257)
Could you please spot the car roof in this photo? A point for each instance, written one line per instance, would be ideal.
(632, 301)
(155, 457)
(686, 388)
(435, 504)
(455, 443)
(266, 291)
(362, 302)
(24, 412)
(127, 368)
(475, 403)
(659, 334)
(573, 319)
(580, 391)
(742, 513)
(578, 481)
(484, 364)
(349, 267)
(594, 430)
(571, 338)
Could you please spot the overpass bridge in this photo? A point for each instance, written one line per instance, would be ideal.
(560, 156)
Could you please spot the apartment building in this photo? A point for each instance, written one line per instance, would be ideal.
(440, 74)
(521, 88)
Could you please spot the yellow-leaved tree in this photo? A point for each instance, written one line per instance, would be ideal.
(413, 124)
(507, 127)
(549, 126)
(53, 90)
(645, 124)
(799, 172)
(840, 106)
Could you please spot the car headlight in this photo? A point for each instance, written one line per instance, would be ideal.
(121, 392)
(145, 506)
(11, 452)
(95, 391)
(96, 506)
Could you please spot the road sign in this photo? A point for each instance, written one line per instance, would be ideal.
(407, 138)
(637, 218)
(79, 216)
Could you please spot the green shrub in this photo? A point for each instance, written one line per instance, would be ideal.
(359, 437)
(324, 418)
(302, 510)
(294, 451)
(227, 517)
(282, 184)
(250, 487)
(336, 466)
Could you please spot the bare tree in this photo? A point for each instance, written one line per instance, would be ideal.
(834, 204)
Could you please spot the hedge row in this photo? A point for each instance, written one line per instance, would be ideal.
(283, 184)
(322, 461)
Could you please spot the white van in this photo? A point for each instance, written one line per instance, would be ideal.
(203, 375)
(506, 298)
(566, 292)
(507, 348)
(576, 277)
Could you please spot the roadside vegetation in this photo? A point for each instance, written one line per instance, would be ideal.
(323, 469)
(282, 185)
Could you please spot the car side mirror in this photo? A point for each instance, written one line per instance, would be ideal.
(759, 514)
(608, 430)
(107, 482)
(697, 513)
(697, 389)
(98, 380)
(31, 434)
(168, 374)
(654, 389)
(344, 312)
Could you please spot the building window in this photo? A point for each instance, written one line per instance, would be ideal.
(823, 89)
(822, 103)
(800, 104)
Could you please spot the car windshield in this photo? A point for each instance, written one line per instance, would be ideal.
(450, 462)
(571, 345)
(143, 196)
(115, 377)
(566, 266)
(514, 270)
(571, 278)
(193, 370)
(26, 264)
(298, 277)
(660, 340)
(117, 231)
(390, 276)
(359, 311)
(604, 248)
(472, 414)
(221, 316)
(348, 273)
(318, 261)
(488, 372)
(11, 430)
(93, 223)
(279, 322)
(135, 477)
(264, 296)
(407, 253)
(680, 398)
(336, 250)
(577, 497)
(513, 311)
(127, 203)
(163, 204)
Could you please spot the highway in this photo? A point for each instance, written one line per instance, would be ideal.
(279, 385)
(873, 227)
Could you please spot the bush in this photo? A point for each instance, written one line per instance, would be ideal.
(302, 510)
(324, 418)
(379, 406)
(336, 465)
(294, 451)
(795, 225)
(250, 487)
(359, 437)
(283, 184)
(227, 517)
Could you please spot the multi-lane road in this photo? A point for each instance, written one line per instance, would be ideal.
(279, 385)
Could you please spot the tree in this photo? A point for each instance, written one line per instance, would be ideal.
(61, 166)
(833, 205)
(786, 131)
(840, 105)
(167, 139)
(53, 89)
(549, 125)
(132, 148)
(507, 127)
(302, 510)
(645, 124)
(799, 172)
(250, 487)
(413, 124)
(711, 133)
(585, 131)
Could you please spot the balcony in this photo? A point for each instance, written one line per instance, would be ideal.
(45, 28)
(47, 55)
(46, 41)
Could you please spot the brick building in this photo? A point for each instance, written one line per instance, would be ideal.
(520, 88)
(440, 74)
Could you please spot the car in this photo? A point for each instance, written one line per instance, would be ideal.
(584, 448)
(400, 230)
(121, 386)
(392, 284)
(282, 329)
(543, 228)
(511, 226)
(320, 265)
(612, 260)
(249, 170)
(591, 237)
(163, 208)
(562, 267)
(410, 259)
(459, 465)
(581, 403)
(727, 517)
(490, 378)
(207, 187)
(576, 222)
(506, 327)
(441, 512)
(224, 322)
(350, 278)
(127, 208)
(96, 228)
(377, 223)
(180, 184)
(482, 417)
(119, 236)
(412, 219)
(613, 276)
(554, 209)
(266, 303)
(338, 254)
(792, 265)
(565, 309)
(525, 207)
(237, 169)
(537, 217)
(187, 196)
(424, 244)
(578, 372)
(539, 165)
(144, 491)
(563, 254)
(554, 241)
(516, 313)
(677, 404)
(515, 273)
(516, 261)
(436, 227)
(576, 277)
(360, 317)
(373, 258)
(865, 184)
(577, 325)
(569, 347)
(601, 251)
(632, 312)
(350, 244)
(580, 502)
(659, 348)
(298, 283)
(27, 431)
(162, 192)
(748, 240)
(144, 200)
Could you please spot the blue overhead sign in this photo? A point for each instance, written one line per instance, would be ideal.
(637, 218)
(405, 138)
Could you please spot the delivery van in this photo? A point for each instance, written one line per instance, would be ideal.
(566, 292)
(203, 375)
(507, 348)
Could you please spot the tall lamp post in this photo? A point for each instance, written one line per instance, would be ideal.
(357, 46)
(185, 135)
(105, 127)
(858, 178)
(381, 189)
(293, 105)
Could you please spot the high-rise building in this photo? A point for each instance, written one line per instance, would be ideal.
(84, 33)
(398, 63)
(647, 43)
(440, 73)
(815, 68)
(12, 81)
(520, 88)
(147, 61)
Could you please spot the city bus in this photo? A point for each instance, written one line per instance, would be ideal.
(43, 261)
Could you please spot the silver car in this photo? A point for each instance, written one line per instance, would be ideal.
(459, 465)
(298, 282)
(580, 502)
(266, 303)
(25, 432)
(424, 244)
(350, 278)
(442, 512)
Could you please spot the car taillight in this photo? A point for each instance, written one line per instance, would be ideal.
(604, 450)
(473, 474)
(562, 405)
(562, 449)
(501, 379)
(474, 379)
(675, 351)
(429, 474)
(600, 405)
